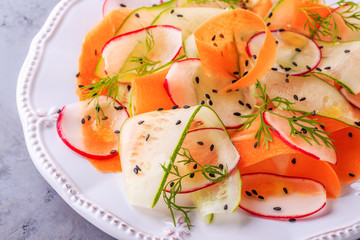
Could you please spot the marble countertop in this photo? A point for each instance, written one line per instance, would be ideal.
(29, 208)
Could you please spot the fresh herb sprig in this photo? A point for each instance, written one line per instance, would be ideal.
(175, 185)
(323, 26)
(308, 127)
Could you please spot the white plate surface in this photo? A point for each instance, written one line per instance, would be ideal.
(47, 82)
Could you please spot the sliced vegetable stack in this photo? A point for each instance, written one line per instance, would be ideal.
(160, 87)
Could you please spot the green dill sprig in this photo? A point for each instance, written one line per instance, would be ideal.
(175, 185)
(324, 26)
(308, 127)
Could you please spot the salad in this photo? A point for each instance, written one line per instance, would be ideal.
(228, 103)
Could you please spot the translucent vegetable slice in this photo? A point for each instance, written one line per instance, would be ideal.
(222, 197)
(276, 196)
(110, 5)
(90, 129)
(152, 139)
(353, 99)
(296, 55)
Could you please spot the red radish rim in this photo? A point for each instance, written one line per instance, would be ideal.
(342, 89)
(82, 153)
(283, 217)
(247, 49)
(210, 183)
(136, 31)
(277, 133)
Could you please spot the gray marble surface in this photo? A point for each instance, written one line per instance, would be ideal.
(29, 208)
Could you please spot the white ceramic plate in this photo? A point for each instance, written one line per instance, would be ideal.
(47, 82)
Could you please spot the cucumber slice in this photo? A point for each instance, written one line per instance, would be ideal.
(152, 139)
(297, 54)
(187, 19)
(187, 84)
(110, 5)
(341, 62)
(190, 47)
(223, 197)
(312, 94)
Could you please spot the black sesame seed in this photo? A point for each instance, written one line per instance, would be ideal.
(270, 109)
(293, 161)
(296, 97)
(351, 175)
(241, 103)
(261, 197)
(197, 80)
(318, 69)
(214, 91)
(128, 87)
(200, 143)
(174, 107)
(308, 67)
(160, 109)
(294, 63)
(274, 69)
(255, 144)
(178, 122)
(147, 137)
(225, 207)
(350, 134)
(221, 35)
(136, 171)
(212, 147)
(287, 80)
(192, 175)
(313, 113)
(292, 220)
(215, 44)
(268, 24)
(113, 151)
(117, 132)
(248, 193)
(321, 47)
(254, 57)
(287, 69)
(237, 114)
(281, 30)
(137, 15)
(179, 15)
(298, 49)
(211, 175)
(172, 184)
(322, 126)
(236, 73)
(59, 111)
(254, 192)
(281, 66)
(277, 208)
(221, 166)
(287, 75)
(202, 102)
(95, 52)
(210, 102)
(246, 63)
(94, 94)
(118, 108)
(88, 117)
(328, 68)
(304, 131)
(81, 86)
(357, 123)
(195, 166)
(186, 106)
(248, 106)
(285, 190)
(105, 118)
(141, 122)
(234, 81)
(97, 108)
(91, 88)
(82, 121)
(246, 72)
(207, 96)
(172, 11)
(213, 38)
(78, 74)
(302, 99)
(347, 51)
(277, 42)
(270, 15)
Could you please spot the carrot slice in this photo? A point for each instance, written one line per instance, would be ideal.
(218, 38)
(262, 8)
(108, 165)
(252, 152)
(93, 44)
(299, 165)
(347, 142)
(330, 125)
(290, 14)
(149, 94)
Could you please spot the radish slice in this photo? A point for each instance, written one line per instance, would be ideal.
(206, 146)
(159, 44)
(187, 84)
(80, 131)
(276, 196)
(110, 5)
(281, 127)
(152, 139)
(353, 99)
(326, 100)
(223, 197)
(297, 54)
